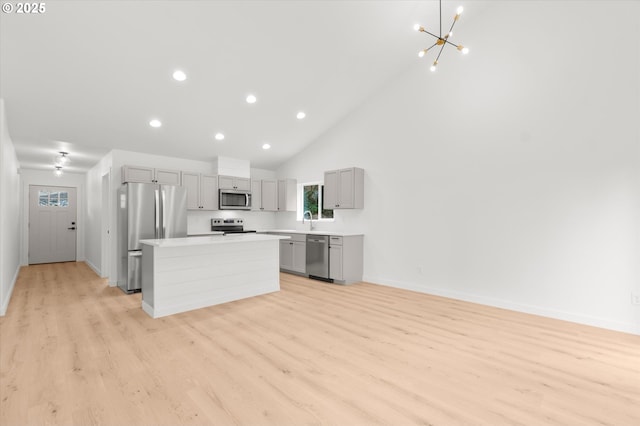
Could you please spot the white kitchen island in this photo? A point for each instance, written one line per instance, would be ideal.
(182, 274)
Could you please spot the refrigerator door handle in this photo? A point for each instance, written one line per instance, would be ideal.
(157, 212)
(164, 216)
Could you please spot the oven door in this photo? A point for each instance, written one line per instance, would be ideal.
(235, 200)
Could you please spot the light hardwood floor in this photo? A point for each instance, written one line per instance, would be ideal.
(75, 351)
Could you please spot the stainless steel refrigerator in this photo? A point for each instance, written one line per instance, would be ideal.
(146, 211)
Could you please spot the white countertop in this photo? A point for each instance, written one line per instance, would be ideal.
(205, 233)
(330, 233)
(216, 239)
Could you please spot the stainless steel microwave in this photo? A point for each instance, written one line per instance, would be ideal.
(233, 199)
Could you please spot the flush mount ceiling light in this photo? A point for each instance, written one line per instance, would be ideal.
(266, 146)
(155, 123)
(62, 159)
(219, 136)
(442, 40)
(251, 99)
(58, 171)
(179, 75)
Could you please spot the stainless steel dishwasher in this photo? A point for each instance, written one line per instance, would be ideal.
(318, 257)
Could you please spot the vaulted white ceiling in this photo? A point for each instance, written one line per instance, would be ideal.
(88, 76)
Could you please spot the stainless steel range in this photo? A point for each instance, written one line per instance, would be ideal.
(229, 226)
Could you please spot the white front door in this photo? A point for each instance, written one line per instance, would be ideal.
(52, 224)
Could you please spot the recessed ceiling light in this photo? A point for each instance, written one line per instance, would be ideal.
(301, 115)
(266, 146)
(155, 123)
(179, 75)
(219, 136)
(251, 99)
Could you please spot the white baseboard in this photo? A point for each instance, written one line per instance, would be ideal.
(513, 306)
(5, 304)
(93, 267)
(148, 309)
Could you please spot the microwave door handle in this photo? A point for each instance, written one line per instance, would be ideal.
(247, 202)
(157, 212)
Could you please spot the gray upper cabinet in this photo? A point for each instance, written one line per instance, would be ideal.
(233, 182)
(264, 195)
(256, 194)
(344, 189)
(150, 175)
(202, 191)
(209, 192)
(191, 181)
(287, 195)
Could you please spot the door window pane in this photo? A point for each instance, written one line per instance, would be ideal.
(64, 199)
(53, 199)
(43, 198)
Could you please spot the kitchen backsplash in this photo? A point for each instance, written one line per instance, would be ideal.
(200, 222)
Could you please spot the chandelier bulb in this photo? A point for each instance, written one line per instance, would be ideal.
(416, 27)
(463, 49)
(421, 53)
(459, 10)
(433, 67)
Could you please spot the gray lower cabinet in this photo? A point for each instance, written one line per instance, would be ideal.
(335, 262)
(345, 258)
(293, 253)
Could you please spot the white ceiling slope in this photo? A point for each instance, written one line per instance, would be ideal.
(87, 76)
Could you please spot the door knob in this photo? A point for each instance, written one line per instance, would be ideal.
(73, 227)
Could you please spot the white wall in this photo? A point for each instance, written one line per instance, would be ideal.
(509, 177)
(44, 177)
(9, 213)
(96, 212)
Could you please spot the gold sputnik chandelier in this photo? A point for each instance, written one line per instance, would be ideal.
(441, 40)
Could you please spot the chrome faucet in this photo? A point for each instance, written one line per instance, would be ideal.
(310, 219)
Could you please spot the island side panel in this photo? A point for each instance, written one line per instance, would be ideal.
(147, 279)
(193, 277)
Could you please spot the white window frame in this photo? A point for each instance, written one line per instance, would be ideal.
(299, 210)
